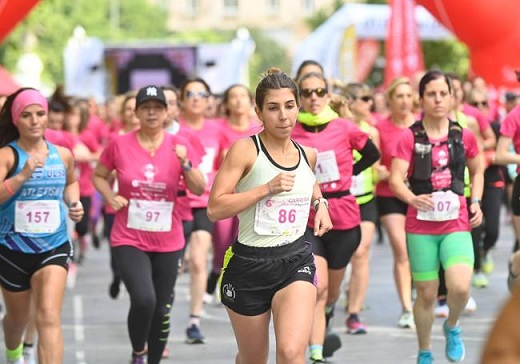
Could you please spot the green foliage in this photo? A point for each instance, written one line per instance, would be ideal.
(322, 14)
(268, 53)
(447, 56)
(53, 21)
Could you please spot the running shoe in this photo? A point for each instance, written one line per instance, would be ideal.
(331, 344)
(138, 359)
(17, 361)
(442, 310)
(355, 326)
(487, 265)
(480, 280)
(165, 353)
(114, 288)
(425, 357)
(207, 299)
(193, 335)
(28, 355)
(455, 350)
(316, 360)
(471, 306)
(406, 320)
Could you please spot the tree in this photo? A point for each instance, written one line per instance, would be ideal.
(53, 21)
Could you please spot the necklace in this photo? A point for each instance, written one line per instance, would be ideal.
(150, 145)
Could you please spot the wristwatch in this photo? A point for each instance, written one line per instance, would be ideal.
(476, 200)
(316, 203)
(187, 166)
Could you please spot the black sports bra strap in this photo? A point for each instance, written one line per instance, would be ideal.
(300, 148)
(15, 165)
(256, 141)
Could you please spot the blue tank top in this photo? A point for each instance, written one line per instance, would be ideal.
(44, 187)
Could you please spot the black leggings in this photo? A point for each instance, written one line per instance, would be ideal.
(491, 205)
(150, 280)
(108, 223)
(82, 225)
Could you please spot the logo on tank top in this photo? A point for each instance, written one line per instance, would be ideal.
(228, 292)
(305, 270)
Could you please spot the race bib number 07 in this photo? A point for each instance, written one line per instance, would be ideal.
(447, 206)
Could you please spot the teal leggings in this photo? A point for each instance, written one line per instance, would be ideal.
(426, 252)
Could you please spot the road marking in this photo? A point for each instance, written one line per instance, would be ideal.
(79, 329)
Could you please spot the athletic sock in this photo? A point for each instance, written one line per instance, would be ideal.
(316, 351)
(15, 354)
(194, 320)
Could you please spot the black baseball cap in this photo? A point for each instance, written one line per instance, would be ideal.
(510, 96)
(150, 93)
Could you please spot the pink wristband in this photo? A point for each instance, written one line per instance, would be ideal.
(8, 188)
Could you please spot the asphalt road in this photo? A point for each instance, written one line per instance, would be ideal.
(94, 325)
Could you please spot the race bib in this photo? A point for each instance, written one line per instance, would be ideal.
(150, 215)
(37, 216)
(282, 216)
(447, 206)
(357, 188)
(326, 167)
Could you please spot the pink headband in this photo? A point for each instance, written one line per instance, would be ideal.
(24, 99)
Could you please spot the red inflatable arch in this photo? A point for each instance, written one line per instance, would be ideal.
(490, 29)
(12, 12)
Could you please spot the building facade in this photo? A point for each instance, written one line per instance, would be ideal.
(281, 20)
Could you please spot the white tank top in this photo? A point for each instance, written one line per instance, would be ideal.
(279, 219)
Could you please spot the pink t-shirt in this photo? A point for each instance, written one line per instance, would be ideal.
(183, 203)
(234, 134)
(86, 187)
(510, 128)
(215, 142)
(62, 138)
(483, 122)
(334, 145)
(99, 129)
(143, 177)
(389, 135)
(440, 158)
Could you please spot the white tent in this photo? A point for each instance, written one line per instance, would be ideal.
(370, 21)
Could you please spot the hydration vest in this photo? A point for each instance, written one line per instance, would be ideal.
(420, 181)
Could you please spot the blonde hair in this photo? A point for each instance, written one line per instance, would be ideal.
(396, 82)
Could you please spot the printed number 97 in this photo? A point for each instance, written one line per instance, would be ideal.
(152, 216)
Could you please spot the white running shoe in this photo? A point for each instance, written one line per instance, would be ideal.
(406, 320)
(471, 306)
(28, 355)
(442, 311)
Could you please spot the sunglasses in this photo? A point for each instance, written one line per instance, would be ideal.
(364, 98)
(190, 95)
(320, 92)
(480, 103)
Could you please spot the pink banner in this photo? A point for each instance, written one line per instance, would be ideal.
(403, 47)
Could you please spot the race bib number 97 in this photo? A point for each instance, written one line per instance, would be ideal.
(150, 215)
